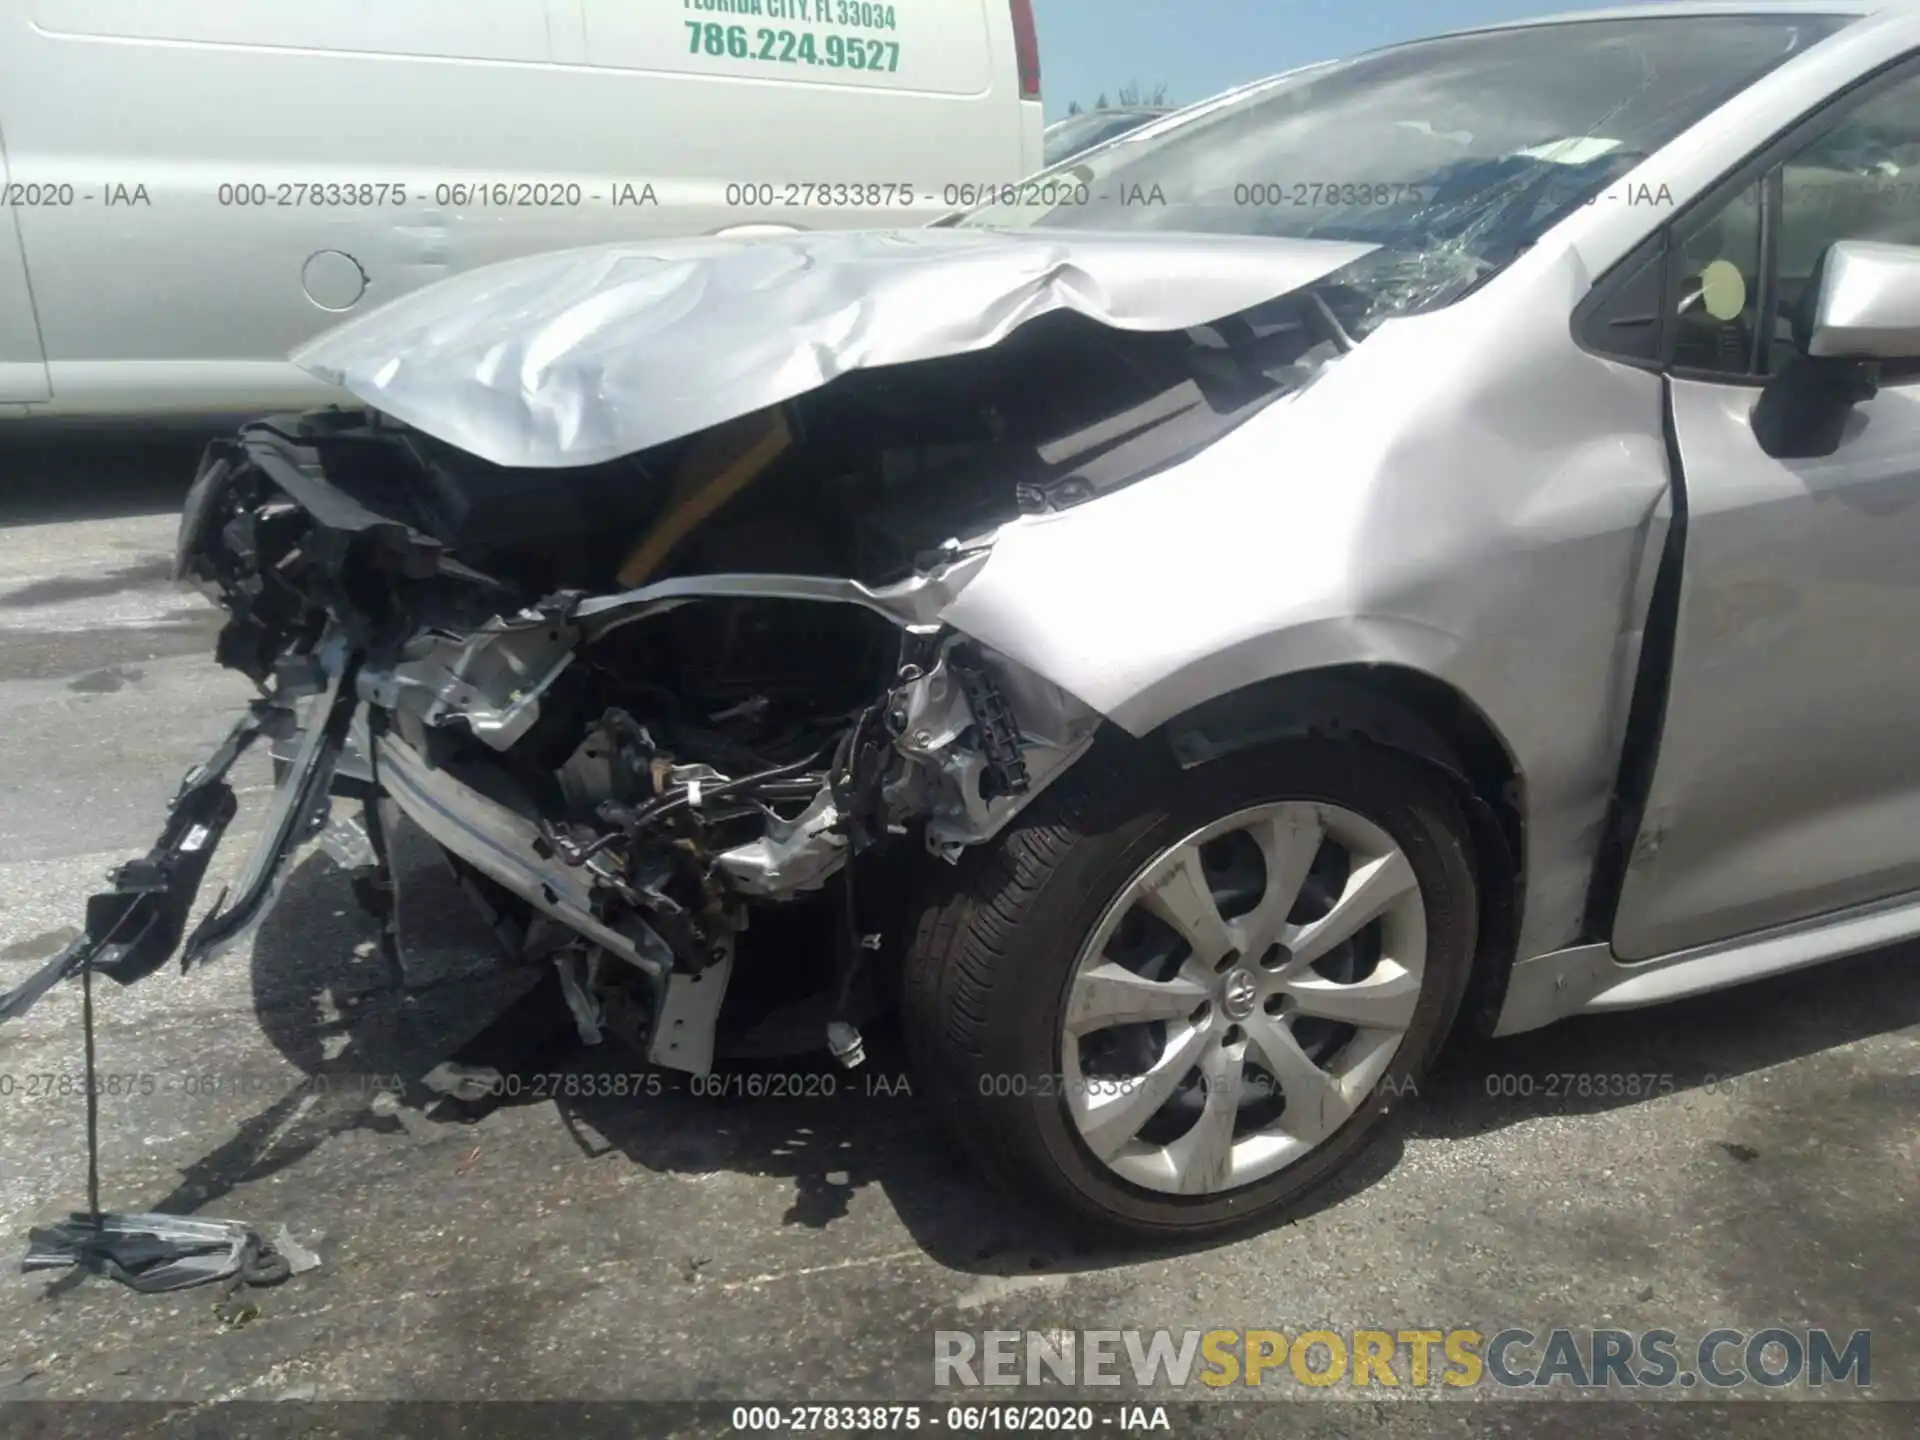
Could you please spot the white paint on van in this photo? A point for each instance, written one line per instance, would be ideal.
(208, 151)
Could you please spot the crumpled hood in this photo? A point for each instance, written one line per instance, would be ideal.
(581, 356)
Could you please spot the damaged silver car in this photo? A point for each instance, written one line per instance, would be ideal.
(1426, 542)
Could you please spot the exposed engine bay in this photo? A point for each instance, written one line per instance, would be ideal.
(636, 702)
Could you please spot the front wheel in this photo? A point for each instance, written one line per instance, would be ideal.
(1171, 1003)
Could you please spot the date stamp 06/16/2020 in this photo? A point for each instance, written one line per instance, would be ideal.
(1544, 1087)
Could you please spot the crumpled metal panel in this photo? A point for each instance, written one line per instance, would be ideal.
(581, 356)
(1468, 494)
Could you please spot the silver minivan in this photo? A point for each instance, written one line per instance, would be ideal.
(189, 189)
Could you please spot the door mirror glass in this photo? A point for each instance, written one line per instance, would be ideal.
(1867, 304)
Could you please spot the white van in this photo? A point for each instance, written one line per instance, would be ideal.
(191, 188)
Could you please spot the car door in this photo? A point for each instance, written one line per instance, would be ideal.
(1787, 778)
(23, 369)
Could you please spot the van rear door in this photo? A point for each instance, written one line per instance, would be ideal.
(23, 367)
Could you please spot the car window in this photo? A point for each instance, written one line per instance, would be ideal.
(1859, 180)
(1720, 288)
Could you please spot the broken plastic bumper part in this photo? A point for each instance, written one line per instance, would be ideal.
(154, 1253)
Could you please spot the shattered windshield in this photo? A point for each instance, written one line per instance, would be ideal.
(1453, 155)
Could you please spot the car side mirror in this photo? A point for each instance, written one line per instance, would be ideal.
(1863, 308)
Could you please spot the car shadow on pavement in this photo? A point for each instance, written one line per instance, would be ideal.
(327, 1005)
(65, 472)
(1717, 1044)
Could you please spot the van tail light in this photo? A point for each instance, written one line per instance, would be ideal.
(1026, 49)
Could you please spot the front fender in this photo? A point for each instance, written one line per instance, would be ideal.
(1467, 495)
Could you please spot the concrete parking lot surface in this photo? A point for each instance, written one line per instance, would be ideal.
(572, 1242)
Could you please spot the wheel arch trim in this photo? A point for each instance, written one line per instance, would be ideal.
(1414, 713)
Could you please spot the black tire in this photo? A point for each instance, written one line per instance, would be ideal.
(987, 967)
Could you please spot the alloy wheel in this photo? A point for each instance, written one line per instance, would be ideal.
(1242, 996)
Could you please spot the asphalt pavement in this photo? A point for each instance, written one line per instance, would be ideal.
(575, 1242)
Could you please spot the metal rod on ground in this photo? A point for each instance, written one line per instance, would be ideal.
(93, 1092)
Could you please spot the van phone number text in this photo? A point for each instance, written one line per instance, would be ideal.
(792, 47)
